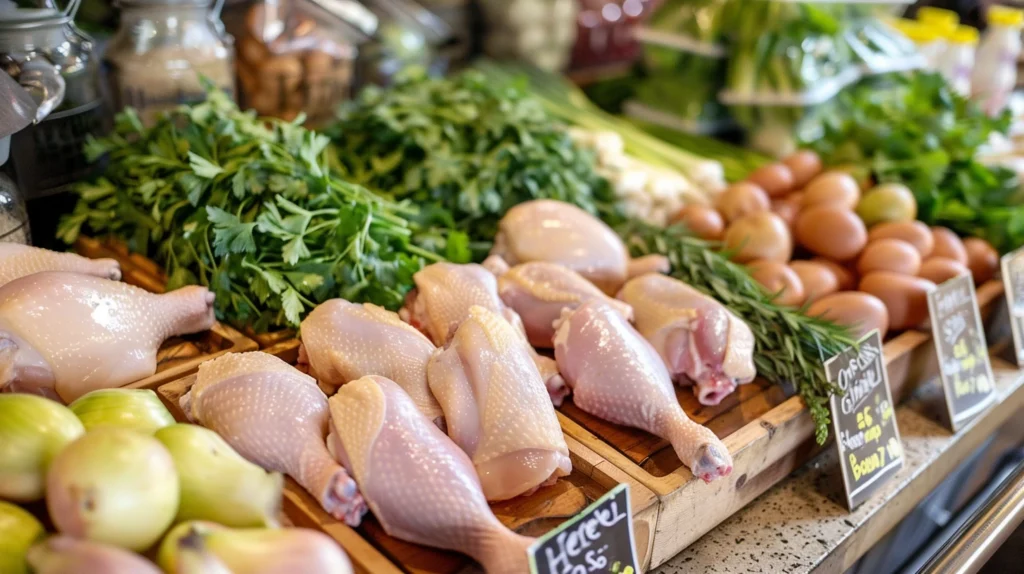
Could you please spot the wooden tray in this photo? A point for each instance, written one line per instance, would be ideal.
(373, 551)
(766, 428)
(145, 273)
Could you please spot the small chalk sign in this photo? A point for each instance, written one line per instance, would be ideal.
(1013, 284)
(864, 419)
(961, 349)
(599, 539)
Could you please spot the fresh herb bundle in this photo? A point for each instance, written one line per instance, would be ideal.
(246, 207)
(915, 130)
(790, 347)
(465, 150)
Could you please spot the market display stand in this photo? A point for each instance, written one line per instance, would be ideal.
(767, 430)
(798, 527)
(373, 551)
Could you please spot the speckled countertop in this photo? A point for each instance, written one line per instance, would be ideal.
(801, 525)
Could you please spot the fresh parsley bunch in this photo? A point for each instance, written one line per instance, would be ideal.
(248, 208)
(465, 150)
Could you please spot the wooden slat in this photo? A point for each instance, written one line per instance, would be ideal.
(372, 550)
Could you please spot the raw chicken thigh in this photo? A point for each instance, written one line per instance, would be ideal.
(343, 341)
(695, 335)
(276, 417)
(497, 408)
(539, 291)
(559, 232)
(20, 260)
(63, 334)
(616, 375)
(445, 292)
(418, 483)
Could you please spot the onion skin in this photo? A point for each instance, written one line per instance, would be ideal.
(62, 554)
(136, 409)
(113, 486)
(19, 530)
(32, 431)
(217, 483)
(251, 550)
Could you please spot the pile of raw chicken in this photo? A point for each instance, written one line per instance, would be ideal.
(439, 408)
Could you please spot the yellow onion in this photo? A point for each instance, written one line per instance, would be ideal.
(250, 549)
(113, 486)
(216, 483)
(63, 554)
(137, 409)
(19, 530)
(32, 431)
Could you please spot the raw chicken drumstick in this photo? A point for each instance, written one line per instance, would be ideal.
(538, 291)
(441, 301)
(276, 417)
(696, 336)
(616, 375)
(21, 260)
(343, 341)
(497, 408)
(559, 232)
(64, 334)
(418, 483)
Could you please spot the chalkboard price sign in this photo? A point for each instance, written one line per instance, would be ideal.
(599, 539)
(1013, 285)
(864, 419)
(961, 349)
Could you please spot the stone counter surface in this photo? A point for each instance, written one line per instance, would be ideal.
(798, 526)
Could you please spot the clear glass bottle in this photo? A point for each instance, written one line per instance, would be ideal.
(155, 60)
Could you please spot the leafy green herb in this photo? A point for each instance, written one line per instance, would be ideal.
(915, 130)
(465, 149)
(790, 347)
(247, 207)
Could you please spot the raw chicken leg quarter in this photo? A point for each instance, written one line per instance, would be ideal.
(20, 260)
(616, 375)
(64, 334)
(418, 483)
(276, 417)
(497, 408)
(697, 337)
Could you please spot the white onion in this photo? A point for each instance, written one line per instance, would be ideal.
(32, 431)
(113, 486)
(138, 409)
(18, 531)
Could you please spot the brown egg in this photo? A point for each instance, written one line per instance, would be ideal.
(905, 297)
(938, 270)
(787, 209)
(817, 278)
(846, 277)
(831, 231)
(982, 259)
(777, 278)
(775, 179)
(893, 255)
(859, 311)
(742, 199)
(948, 245)
(832, 187)
(703, 221)
(913, 232)
(804, 165)
(761, 235)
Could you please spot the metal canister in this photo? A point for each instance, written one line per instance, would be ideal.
(44, 52)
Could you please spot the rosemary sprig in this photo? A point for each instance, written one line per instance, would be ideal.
(789, 345)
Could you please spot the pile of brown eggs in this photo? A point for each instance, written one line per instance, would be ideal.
(814, 238)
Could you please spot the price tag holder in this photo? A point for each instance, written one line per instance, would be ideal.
(599, 539)
(961, 349)
(864, 419)
(1013, 285)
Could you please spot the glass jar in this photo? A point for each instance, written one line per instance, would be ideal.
(156, 58)
(13, 216)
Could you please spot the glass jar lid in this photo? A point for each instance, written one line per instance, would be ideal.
(13, 17)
